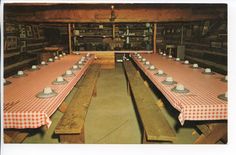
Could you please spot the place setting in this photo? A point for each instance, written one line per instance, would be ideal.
(50, 60)
(140, 58)
(80, 63)
(60, 55)
(177, 59)
(223, 96)
(34, 68)
(152, 68)
(56, 58)
(224, 79)
(195, 66)
(207, 71)
(170, 56)
(186, 62)
(20, 74)
(143, 60)
(169, 81)
(75, 68)
(59, 81)
(160, 73)
(6, 82)
(179, 88)
(68, 73)
(164, 54)
(43, 63)
(47, 92)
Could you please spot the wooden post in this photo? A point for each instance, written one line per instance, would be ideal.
(155, 38)
(113, 31)
(69, 35)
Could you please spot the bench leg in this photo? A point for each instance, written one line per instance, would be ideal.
(217, 132)
(72, 138)
(128, 88)
(14, 136)
(63, 107)
(95, 91)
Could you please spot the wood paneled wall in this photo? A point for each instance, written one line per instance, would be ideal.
(69, 13)
(22, 44)
(205, 41)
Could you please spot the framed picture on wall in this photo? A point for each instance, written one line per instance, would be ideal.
(22, 31)
(22, 46)
(29, 31)
(10, 28)
(11, 42)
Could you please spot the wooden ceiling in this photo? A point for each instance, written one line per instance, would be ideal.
(101, 13)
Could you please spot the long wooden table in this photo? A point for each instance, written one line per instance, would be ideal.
(200, 104)
(22, 109)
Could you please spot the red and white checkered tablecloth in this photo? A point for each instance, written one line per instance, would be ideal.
(22, 109)
(201, 103)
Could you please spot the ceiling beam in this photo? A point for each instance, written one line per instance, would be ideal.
(69, 14)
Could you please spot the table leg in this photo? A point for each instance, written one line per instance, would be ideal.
(217, 131)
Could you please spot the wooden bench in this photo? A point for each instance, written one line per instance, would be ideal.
(71, 126)
(212, 133)
(155, 126)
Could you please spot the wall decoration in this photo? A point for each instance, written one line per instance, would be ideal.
(35, 31)
(11, 42)
(22, 31)
(10, 28)
(22, 46)
(29, 31)
(40, 33)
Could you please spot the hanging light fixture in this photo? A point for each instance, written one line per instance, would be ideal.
(113, 16)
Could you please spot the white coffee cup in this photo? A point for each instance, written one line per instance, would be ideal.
(186, 62)
(20, 73)
(170, 56)
(179, 87)
(161, 53)
(169, 79)
(43, 63)
(164, 54)
(143, 59)
(80, 62)
(50, 60)
(60, 79)
(60, 55)
(47, 90)
(207, 70)
(56, 57)
(160, 72)
(63, 53)
(152, 67)
(34, 67)
(75, 67)
(195, 65)
(68, 72)
(147, 63)
(177, 59)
